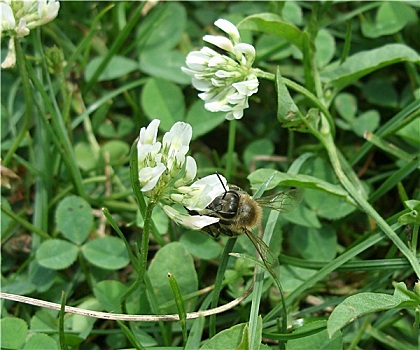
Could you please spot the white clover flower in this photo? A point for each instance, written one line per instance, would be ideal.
(166, 174)
(160, 163)
(17, 18)
(226, 81)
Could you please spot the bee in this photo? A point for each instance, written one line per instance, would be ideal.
(239, 214)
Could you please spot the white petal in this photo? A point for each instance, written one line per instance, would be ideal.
(209, 52)
(195, 222)
(229, 116)
(247, 87)
(207, 96)
(28, 6)
(217, 106)
(236, 98)
(177, 140)
(218, 82)
(7, 19)
(149, 177)
(148, 135)
(177, 198)
(219, 41)
(216, 183)
(225, 74)
(190, 169)
(202, 85)
(180, 134)
(148, 154)
(10, 60)
(22, 29)
(205, 190)
(221, 94)
(196, 60)
(217, 95)
(47, 12)
(219, 61)
(247, 50)
(190, 173)
(235, 114)
(228, 28)
(188, 71)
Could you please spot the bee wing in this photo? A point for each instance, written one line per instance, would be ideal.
(282, 202)
(267, 256)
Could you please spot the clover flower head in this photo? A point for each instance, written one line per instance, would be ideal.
(18, 17)
(166, 175)
(226, 81)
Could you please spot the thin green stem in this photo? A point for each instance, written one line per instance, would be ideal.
(416, 325)
(138, 194)
(414, 239)
(147, 228)
(61, 332)
(231, 149)
(21, 65)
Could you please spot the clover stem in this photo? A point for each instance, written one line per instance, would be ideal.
(231, 149)
(147, 227)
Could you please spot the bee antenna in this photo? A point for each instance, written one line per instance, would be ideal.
(220, 179)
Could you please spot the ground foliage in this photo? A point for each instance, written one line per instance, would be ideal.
(101, 71)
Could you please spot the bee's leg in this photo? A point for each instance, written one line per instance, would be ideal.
(226, 232)
(191, 212)
(215, 234)
(212, 230)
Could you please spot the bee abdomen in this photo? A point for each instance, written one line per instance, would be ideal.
(250, 214)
